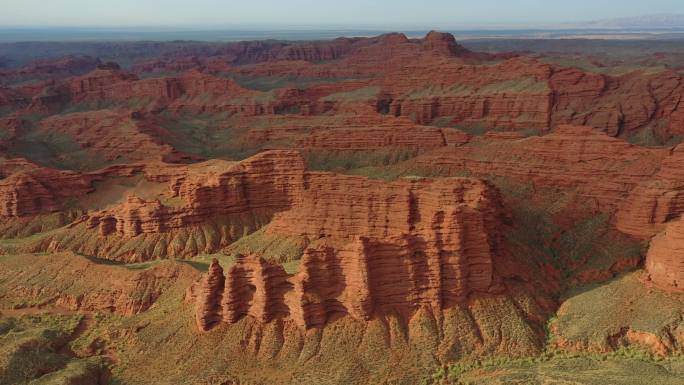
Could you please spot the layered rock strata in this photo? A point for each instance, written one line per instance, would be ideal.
(265, 182)
(600, 169)
(113, 135)
(665, 258)
(372, 138)
(655, 201)
(389, 248)
(210, 295)
(31, 190)
(523, 93)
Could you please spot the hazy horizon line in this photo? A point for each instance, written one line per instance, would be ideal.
(475, 25)
(314, 27)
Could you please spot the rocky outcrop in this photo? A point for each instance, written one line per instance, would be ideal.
(372, 138)
(265, 182)
(511, 95)
(316, 51)
(366, 277)
(343, 207)
(665, 258)
(109, 84)
(113, 135)
(648, 208)
(208, 297)
(443, 43)
(254, 288)
(522, 93)
(98, 84)
(190, 92)
(389, 248)
(207, 206)
(9, 129)
(655, 201)
(598, 168)
(33, 190)
(616, 105)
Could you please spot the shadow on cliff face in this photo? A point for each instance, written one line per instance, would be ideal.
(34, 349)
(568, 240)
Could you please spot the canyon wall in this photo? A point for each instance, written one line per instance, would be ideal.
(265, 182)
(27, 189)
(665, 258)
(656, 200)
(382, 248)
(525, 93)
(432, 80)
(599, 168)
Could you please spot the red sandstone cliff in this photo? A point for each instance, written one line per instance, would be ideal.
(656, 200)
(392, 248)
(27, 189)
(430, 80)
(521, 92)
(207, 205)
(209, 308)
(601, 169)
(665, 259)
(265, 182)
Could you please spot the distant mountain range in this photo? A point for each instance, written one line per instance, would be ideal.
(657, 21)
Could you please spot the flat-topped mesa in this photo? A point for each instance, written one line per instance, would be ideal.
(444, 230)
(316, 51)
(391, 247)
(342, 207)
(395, 50)
(265, 182)
(443, 43)
(665, 258)
(393, 38)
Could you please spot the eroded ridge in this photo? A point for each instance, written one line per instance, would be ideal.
(387, 248)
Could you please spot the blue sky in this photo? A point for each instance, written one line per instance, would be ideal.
(340, 13)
